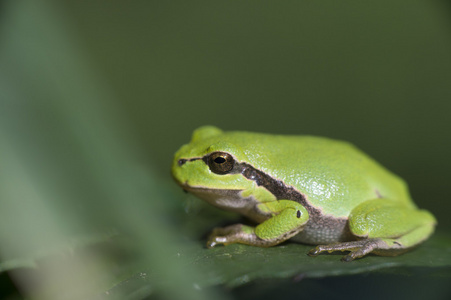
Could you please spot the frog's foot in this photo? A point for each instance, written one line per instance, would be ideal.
(237, 233)
(358, 248)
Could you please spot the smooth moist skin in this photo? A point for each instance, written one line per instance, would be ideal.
(308, 189)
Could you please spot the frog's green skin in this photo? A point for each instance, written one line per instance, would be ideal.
(309, 189)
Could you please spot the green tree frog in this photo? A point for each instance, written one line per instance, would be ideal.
(308, 189)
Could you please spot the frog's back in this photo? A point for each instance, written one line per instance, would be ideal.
(333, 175)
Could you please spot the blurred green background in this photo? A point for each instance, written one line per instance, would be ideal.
(96, 96)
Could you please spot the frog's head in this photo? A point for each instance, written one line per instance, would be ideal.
(210, 166)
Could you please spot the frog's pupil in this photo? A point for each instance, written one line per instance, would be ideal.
(220, 160)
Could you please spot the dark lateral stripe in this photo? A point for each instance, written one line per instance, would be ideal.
(279, 189)
(276, 187)
(183, 161)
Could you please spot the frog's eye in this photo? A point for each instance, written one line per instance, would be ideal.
(220, 162)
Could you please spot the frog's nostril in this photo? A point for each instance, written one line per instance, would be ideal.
(182, 162)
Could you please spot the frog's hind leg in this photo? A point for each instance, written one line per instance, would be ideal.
(383, 227)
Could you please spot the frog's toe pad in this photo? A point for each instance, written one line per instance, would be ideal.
(314, 252)
(216, 240)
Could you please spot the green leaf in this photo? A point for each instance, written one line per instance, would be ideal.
(236, 265)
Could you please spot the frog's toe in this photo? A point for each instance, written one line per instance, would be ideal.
(347, 258)
(216, 240)
(323, 248)
(357, 254)
(314, 252)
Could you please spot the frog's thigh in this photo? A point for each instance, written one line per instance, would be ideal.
(383, 227)
(382, 218)
(288, 219)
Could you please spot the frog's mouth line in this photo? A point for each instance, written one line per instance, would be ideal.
(193, 189)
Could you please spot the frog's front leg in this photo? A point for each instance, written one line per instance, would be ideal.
(288, 218)
(383, 227)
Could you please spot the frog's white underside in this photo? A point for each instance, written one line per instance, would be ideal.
(319, 229)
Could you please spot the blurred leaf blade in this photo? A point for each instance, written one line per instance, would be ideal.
(71, 170)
